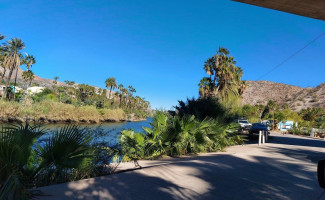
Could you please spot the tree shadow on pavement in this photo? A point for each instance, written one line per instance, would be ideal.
(269, 172)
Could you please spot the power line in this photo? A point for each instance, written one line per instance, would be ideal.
(291, 56)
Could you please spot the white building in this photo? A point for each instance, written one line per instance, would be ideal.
(35, 89)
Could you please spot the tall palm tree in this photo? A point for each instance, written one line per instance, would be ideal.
(28, 77)
(130, 93)
(56, 78)
(272, 106)
(205, 87)
(121, 89)
(2, 56)
(12, 57)
(110, 83)
(260, 109)
(225, 77)
(29, 60)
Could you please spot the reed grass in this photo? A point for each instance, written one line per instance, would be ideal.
(52, 111)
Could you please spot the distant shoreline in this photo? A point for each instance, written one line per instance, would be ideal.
(49, 121)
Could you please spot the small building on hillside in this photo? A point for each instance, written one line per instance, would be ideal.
(35, 89)
(285, 126)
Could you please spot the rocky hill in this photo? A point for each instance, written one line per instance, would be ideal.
(40, 81)
(260, 92)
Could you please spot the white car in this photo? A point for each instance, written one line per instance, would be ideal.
(244, 124)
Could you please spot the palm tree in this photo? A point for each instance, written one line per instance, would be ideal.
(272, 106)
(28, 77)
(123, 92)
(2, 56)
(110, 83)
(12, 57)
(130, 92)
(56, 78)
(24, 162)
(225, 78)
(260, 109)
(205, 87)
(29, 60)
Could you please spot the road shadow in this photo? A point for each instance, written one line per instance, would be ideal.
(211, 176)
(288, 140)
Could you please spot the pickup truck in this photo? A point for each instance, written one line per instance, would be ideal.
(244, 124)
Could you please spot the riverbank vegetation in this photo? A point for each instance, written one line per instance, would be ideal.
(197, 125)
(57, 101)
(31, 156)
(176, 136)
(71, 153)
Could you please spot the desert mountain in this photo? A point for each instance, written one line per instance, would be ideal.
(260, 92)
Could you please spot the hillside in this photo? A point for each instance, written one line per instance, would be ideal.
(260, 92)
(40, 81)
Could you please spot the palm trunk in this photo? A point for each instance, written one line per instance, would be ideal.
(110, 92)
(273, 122)
(15, 84)
(3, 74)
(7, 83)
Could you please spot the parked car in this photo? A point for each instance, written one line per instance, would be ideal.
(244, 124)
(257, 127)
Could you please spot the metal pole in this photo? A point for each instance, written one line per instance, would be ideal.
(263, 137)
(266, 136)
(259, 138)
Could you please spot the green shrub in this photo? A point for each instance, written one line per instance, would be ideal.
(175, 135)
(24, 162)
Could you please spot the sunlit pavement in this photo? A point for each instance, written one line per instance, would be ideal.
(284, 168)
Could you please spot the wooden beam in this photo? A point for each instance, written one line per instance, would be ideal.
(308, 8)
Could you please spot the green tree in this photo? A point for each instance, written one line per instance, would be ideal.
(224, 79)
(55, 81)
(85, 93)
(12, 58)
(273, 107)
(24, 162)
(205, 89)
(260, 109)
(28, 77)
(29, 60)
(2, 58)
(111, 84)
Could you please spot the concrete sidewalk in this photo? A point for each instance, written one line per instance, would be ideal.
(284, 168)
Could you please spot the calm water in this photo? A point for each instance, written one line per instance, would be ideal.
(105, 132)
(109, 132)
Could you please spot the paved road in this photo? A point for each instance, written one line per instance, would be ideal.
(284, 168)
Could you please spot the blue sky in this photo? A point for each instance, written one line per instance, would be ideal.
(159, 47)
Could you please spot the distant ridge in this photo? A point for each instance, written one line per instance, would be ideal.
(260, 92)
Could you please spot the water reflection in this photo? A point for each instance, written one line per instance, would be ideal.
(107, 132)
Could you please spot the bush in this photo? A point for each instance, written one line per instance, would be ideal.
(201, 108)
(174, 136)
(53, 111)
(31, 162)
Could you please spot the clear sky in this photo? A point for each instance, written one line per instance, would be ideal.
(159, 47)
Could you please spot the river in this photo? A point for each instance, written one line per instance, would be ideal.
(105, 132)
(108, 132)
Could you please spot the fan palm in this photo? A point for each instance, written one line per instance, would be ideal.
(12, 57)
(28, 77)
(225, 77)
(25, 160)
(2, 56)
(29, 60)
(111, 84)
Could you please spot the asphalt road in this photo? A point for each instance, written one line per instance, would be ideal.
(284, 168)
